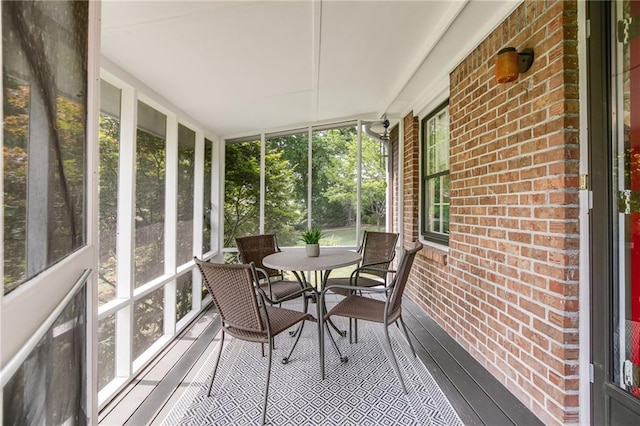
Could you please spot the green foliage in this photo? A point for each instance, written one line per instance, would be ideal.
(312, 236)
(333, 174)
(108, 184)
(15, 157)
(333, 191)
(149, 208)
(67, 183)
(342, 189)
(184, 295)
(283, 212)
(148, 316)
(64, 187)
(186, 178)
(242, 191)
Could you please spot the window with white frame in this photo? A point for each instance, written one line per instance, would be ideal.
(343, 190)
(150, 184)
(155, 180)
(435, 175)
(109, 120)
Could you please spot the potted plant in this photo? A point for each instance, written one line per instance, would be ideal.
(312, 238)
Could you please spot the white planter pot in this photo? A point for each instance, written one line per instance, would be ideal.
(313, 250)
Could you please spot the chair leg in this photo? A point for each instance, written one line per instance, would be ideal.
(266, 388)
(299, 327)
(273, 346)
(342, 333)
(285, 360)
(215, 367)
(355, 330)
(335, 345)
(406, 334)
(392, 356)
(320, 337)
(296, 331)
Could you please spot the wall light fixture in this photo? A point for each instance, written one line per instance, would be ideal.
(510, 63)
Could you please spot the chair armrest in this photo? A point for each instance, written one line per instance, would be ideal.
(358, 270)
(284, 299)
(359, 288)
(355, 274)
(260, 271)
(261, 295)
(267, 276)
(369, 265)
(263, 272)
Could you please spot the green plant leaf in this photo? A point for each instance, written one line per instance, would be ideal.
(312, 236)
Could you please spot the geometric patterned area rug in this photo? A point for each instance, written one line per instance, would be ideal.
(363, 391)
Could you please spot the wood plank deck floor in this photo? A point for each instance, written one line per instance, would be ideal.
(478, 398)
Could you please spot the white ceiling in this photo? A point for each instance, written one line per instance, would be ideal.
(240, 67)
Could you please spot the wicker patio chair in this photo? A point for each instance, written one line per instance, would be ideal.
(246, 311)
(386, 312)
(254, 248)
(378, 250)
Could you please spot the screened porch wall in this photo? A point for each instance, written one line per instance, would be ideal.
(157, 182)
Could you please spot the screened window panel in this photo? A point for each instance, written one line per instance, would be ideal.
(106, 351)
(44, 132)
(50, 386)
(184, 295)
(186, 175)
(150, 198)
(373, 185)
(333, 190)
(334, 199)
(286, 175)
(109, 121)
(207, 203)
(242, 190)
(148, 320)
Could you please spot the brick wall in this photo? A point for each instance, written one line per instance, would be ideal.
(507, 290)
(411, 178)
